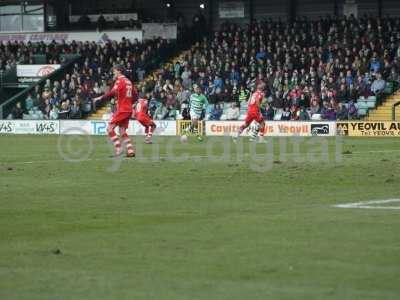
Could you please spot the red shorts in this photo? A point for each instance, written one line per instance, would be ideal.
(144, 119)
(254, 116)
(121, 119)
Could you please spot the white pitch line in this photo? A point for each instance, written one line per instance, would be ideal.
(379, 207)
(369, 204)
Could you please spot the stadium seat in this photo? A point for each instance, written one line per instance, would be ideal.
(389, 88)
(362, 111)
(363, 103)
(371, 104)
(316, 117)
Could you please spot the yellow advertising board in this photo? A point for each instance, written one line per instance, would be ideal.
(369, 129)
(183, 126)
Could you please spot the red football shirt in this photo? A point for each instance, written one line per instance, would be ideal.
(125, 92)
(255, 101)
(141, 107)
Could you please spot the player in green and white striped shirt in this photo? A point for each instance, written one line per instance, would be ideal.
(197, 104)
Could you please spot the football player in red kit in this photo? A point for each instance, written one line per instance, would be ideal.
(142, 116)
(254, 113)
(126, 94)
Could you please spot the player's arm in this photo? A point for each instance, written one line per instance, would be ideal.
(109, 94)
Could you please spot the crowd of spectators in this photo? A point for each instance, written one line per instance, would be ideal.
(13, 53)
(71, 96)
(313, 69)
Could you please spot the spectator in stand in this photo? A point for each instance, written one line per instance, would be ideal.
(352, 111)
(269, 112)
(342, 113)
(53, 114)
(17, 112)
(29, 103)
(216, 112)
(303, 114)
(342, 95)
(75, 112)
(315, 108)
(65, 109)
(394, 76)
(185, 113)
(286, 114)
(161, 112)
(171, 113)
(233, 112)
(378, 85)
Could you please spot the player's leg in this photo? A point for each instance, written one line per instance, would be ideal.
(114, 137)
(247, 122)
(130, 151)
(195, 127)
(261, 122)
(146, 121)
(254, 129)
(193, 120)
(151, 126)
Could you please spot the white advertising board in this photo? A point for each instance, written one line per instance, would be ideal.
(274, 128)
(36, 70)
(99, 127)
(68, 37)
(29, 127)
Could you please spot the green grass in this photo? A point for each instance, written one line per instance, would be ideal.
(198, 229)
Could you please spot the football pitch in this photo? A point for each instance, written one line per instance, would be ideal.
(314, 218)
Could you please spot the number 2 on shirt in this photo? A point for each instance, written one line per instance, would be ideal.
(129, 91)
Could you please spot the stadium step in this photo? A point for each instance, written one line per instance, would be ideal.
(98, 115)
(376, 119)
(384, 111)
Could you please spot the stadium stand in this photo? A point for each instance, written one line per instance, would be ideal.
(70, 96)
(332, 68)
